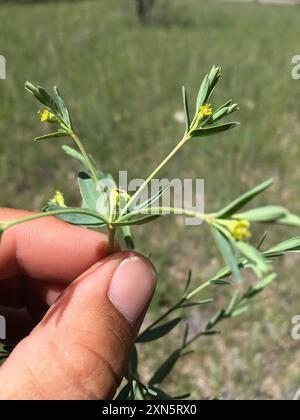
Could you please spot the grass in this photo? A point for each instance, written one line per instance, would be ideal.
(122, 82)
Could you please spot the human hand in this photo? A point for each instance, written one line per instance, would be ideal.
(81, 308)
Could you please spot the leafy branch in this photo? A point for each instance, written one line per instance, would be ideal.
(106, 205)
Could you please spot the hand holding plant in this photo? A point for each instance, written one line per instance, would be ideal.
(106, 205)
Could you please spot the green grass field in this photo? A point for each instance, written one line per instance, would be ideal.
(122, 82)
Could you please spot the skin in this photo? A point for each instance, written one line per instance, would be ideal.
(73, 343)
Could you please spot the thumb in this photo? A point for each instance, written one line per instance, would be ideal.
(80, 350)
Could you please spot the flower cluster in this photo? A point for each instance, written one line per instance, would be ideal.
(47, 116)
(58, 200)
(240, 230)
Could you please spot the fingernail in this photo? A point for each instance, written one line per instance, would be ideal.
(132, 287)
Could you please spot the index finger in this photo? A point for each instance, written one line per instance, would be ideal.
(48, 249)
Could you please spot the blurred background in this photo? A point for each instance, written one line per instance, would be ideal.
(120, 65)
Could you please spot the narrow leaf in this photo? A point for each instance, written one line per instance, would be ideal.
(188, 282)
(88, 191)
(158, 332)
(203, 93)
(265, 214)
(186, 109)
(124, 393)
(228, 254)
(210, 131)
(291, 245)
(241, 201)
(165, 369)
(254, 256)
(52, 135)
(62, 107)
(127, 235)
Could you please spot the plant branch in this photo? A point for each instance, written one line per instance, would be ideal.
(111, 240)
(155, 172)
(85, 155)
(8, 224)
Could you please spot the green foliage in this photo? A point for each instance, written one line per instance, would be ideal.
(104, 204)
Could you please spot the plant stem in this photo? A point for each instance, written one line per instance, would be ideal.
(169, 210)
(85, 155)
(165, 314)
(111, 240)
(198, 289)
(180, 211)
(155, 172)
(178, 305)
(9, 224)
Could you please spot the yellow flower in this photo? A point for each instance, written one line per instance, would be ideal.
(117, 197)
(58, 199)
(240, 229)
(47, 116)
(206, 110)
(114, 197)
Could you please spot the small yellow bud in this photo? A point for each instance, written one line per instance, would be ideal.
(240, 229)
(117, 196)
(114, 197)
(47, 116)
(58, 199)
(206, 110)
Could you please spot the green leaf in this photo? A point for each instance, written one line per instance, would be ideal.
(265, 282)
(49, 101)
(157, 394)
(158, 332)
(228, 253)
(35, 92)
(213, 77)
(222, 112)
(254, 256)
(188, 282)
(127, 235)
(165, 369)
(260, 287)
(289, 219)
(232, 303)
(218, 115)
(220, 283)
(74, 153)
(77, 219)
(263, 214)
(199, 303)
(291, 245)
(261, 240)
(62, 108)
(209, 333)
(239, 312)
(241, 201)
(203, 93)
(124, 393)
(210, 131)
(59, 133)
(186, 110)
(138, 221)
(133, 363)
(215, 319)
(92, 197)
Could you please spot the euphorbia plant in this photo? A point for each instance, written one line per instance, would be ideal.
(106, 206)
